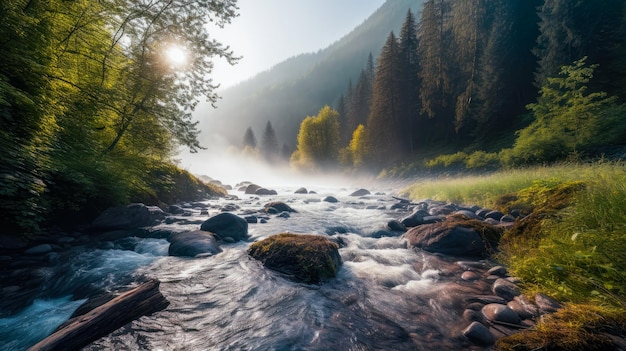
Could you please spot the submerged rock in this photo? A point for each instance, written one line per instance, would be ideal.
(227, 226)
(192, 244)
(306, 258)
(278, 206)
(361, 192)
(330, 199)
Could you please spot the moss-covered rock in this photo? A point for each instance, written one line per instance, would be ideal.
(306, 258)
(540, 202)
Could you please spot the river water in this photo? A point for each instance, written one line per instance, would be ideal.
(385, 296)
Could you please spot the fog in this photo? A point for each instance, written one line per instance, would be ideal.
(228, 164)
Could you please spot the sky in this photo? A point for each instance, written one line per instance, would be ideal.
(268, 32)
(265, 33)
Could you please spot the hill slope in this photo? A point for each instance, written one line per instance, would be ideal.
(301, 85)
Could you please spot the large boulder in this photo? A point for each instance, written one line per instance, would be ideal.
(128, 217)
(306, 258)
(192, 244)
(469, 238)
(227, 226)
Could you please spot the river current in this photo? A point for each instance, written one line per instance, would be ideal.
(385, 297)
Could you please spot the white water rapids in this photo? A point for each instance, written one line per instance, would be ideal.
(385, 296)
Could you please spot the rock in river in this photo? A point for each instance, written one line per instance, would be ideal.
(306, 258)
(192, 244)
(227, 226)
(453, 237)
(128, 217)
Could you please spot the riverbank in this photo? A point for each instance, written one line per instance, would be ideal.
(570, 244)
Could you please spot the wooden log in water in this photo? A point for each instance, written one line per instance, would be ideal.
(83, 330)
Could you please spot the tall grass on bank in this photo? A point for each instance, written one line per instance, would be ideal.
(579, 254)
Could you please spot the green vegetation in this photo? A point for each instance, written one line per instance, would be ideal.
(572, 328)
(570, 245)
(318, 140)
(91, 109)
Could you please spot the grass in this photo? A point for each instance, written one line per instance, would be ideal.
(572, 245)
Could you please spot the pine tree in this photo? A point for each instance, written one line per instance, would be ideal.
(435, 69)
(410, 84)
(573, 29)
(249, 140)
(269, 146)
(384, 124)
(511, 37)
(469, 32)
(350, 113)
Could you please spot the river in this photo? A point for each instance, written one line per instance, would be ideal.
(385, 296)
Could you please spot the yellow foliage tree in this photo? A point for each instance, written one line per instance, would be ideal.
(318, 140)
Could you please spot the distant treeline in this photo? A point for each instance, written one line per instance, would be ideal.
(538, 79)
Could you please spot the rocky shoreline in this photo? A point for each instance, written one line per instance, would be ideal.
(453, 231)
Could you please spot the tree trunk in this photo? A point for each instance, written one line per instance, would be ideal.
(83, 330)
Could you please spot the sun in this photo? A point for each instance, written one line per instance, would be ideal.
(176, 55)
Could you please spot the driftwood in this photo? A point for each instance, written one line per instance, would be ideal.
(83, 330)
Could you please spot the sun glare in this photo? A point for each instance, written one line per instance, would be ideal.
(176, 55)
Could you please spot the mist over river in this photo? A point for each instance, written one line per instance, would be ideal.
(385, 296)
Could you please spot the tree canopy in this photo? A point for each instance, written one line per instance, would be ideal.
(88, 97)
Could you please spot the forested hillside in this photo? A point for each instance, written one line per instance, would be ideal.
(92, 106)
(301, 85)
(492, 83)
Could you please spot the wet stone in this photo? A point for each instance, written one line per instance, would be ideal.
(498, 270)
(521, 311)
(464, 214)
(470, 276)
(361, 192)
(482, 212)
(251, 219)
(507, 218)
(497, 215)
(479, 334)
(330, 199)
(301, 191)
(496, 312)
(546, 304)
(505, 289)
(486, 299)
(473, 316)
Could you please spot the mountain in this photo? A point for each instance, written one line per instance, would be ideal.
(300, 86)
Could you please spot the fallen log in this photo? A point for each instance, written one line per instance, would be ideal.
(83, 330)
